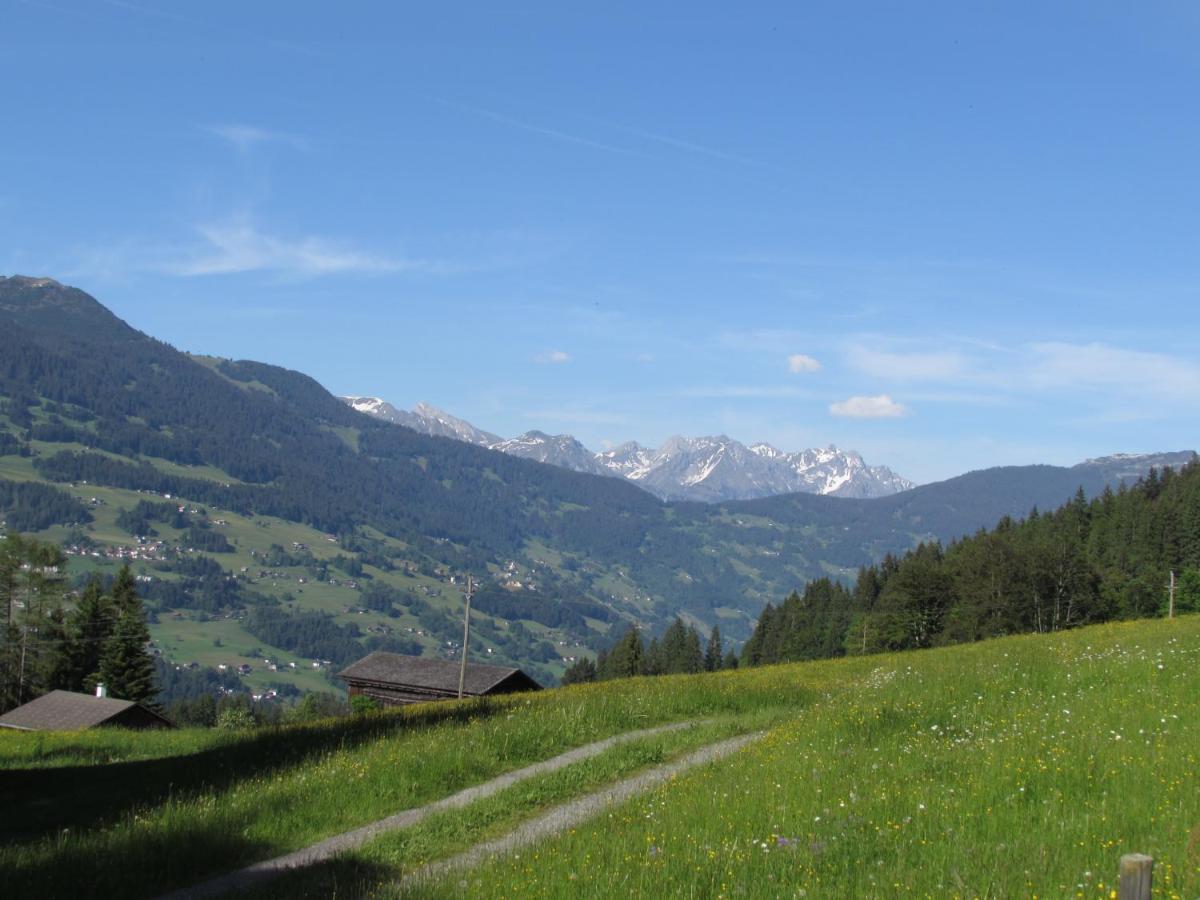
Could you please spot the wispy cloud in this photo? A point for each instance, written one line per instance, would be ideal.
(246, 137)
(800, 363)
(1104, 382)
(237, 245)
(553, 357)
(881, 406)
(907, 366)
(689, 146)
(1101, 366)
(240, 243)
(544, 131)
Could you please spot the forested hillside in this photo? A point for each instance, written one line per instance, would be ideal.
(1089, 561)
(97, 420)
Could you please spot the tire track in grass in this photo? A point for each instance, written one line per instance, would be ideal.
(266, 870)
(568, 815)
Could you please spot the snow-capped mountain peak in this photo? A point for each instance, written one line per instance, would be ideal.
(372, 406)
(710, 468)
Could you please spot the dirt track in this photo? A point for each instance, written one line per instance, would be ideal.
(571, 814)
(544, 824)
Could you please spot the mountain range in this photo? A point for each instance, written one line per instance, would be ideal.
(704, 469)
(260, 459)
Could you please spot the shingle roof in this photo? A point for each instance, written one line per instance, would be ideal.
(64, 711)
(434, 674)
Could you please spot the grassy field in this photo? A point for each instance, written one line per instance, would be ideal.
(179, 806)
(1021, 767)
(1018, 767)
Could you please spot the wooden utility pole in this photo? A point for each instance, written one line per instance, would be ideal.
(462, 669)
(1171, 595)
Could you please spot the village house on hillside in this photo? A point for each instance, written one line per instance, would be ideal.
(69, 711)
(395, 679)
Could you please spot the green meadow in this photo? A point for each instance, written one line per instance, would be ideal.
(1023, 766)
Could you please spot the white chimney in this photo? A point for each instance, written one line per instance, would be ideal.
(101, 690)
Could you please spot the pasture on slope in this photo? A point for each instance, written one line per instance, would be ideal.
(1017, 767)
(1014, 767)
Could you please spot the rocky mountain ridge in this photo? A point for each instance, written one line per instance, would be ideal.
(706, 469)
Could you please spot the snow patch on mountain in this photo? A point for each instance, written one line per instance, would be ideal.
(707, 469)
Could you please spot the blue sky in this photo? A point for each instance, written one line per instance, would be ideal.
(948, 235)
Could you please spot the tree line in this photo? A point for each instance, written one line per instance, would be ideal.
(678, 651)
(102, 639)
(1111, 558)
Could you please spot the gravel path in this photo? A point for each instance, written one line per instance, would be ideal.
(268, 869)
(571, 814)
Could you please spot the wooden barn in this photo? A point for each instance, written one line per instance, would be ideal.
(395, 679)
(68, 711)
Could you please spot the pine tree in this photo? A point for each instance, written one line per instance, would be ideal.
(11, 555)
(655, 662)
(713, 653)
(680, 649)
(627, 657)
(91, 625)
(581, 671)
(123, 590)
(30, 592)
(693, 656)
(51, 670)
(126, 668)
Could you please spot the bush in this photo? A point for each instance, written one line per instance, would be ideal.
(234, 718)
(360, 705)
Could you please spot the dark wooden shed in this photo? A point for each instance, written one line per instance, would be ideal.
(395, 679)
(68, 711)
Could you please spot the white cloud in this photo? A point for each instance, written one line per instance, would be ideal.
(237, 245)
(1057, 366)
(860, 407)
(244, 137)
(943, 365)
(553, 357)
(799, 363)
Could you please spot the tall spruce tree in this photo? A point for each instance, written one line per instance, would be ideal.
(627, 657)
(90, 626)
(31, 593)
(713, 653)
(10, 565)
(126, 667)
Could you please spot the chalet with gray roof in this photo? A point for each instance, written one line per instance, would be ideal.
(395, 679)
(68, 711)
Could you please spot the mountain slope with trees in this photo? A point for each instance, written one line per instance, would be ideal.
(86, 399)
(1131, 553)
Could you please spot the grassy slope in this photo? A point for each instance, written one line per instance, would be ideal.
(1020, 767)
(1015, 767)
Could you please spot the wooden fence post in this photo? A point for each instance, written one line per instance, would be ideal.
(1137, 874)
